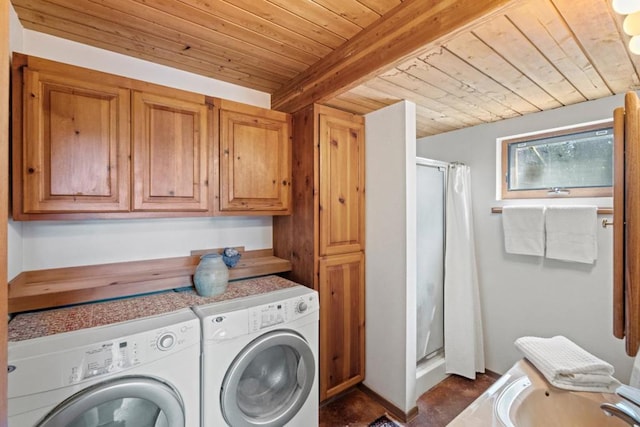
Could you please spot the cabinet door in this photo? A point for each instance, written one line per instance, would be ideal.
(626, 204)
(255, 162)
(341, 290)
(170, 153)
(341, 185)
(619, 126)
(75, 145)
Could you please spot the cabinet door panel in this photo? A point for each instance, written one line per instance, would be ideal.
(341, 290)
(341, 185)
(170, 154)
(78, 130)
(76, 145)
(255, 156)
(618, 221)
(627, 288)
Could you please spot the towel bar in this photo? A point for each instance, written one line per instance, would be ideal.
(601, 211)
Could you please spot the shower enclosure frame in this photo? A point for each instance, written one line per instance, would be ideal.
(430, 368)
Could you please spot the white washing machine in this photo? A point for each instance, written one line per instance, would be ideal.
(138, 373)
(260, 360)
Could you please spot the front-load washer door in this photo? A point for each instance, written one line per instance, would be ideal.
(131, 401)
(269, 381)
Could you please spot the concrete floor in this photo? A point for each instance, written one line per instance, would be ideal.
(436, 408)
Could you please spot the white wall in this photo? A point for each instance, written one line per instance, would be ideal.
(70, 52)
(16, 32)
(391, 254)
(46, 244)
(524, 295)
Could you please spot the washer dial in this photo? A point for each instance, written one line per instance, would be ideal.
(166, 341)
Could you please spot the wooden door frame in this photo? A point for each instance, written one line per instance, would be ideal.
(4, 198)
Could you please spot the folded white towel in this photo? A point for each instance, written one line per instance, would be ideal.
(566, 365)
(571, 233)
(523, 229)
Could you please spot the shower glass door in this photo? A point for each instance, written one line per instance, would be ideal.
(431, 185)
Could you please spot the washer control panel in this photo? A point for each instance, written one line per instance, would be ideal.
(50, 362)
(225, 325)
(120, 354)
(269, 315)
(239, 320)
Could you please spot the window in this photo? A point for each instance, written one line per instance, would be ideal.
(572, 162)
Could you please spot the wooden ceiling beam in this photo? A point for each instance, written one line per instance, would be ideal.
(406, 29)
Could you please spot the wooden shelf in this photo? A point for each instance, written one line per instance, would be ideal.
(38, 289)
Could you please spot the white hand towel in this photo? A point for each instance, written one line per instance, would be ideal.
(523, 229)
(571, 233)
(568, 366)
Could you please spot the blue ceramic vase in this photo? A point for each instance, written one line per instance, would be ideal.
(211, 276)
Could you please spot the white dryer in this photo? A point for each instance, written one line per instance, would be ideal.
(260, 360)
(138, 373)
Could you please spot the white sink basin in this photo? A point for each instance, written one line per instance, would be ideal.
(523, 398)
(522, 404)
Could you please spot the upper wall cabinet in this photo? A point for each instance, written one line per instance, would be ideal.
(76, 146)
(255, 160)
(170, 149)
(88, 144)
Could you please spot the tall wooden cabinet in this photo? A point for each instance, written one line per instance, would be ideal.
(324, 236)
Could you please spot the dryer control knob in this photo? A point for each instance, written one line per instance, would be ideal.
(166, 341)
(301, 307)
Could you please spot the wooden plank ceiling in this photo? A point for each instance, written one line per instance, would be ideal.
(532, 56)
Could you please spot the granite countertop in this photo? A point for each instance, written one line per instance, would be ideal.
(26, 326)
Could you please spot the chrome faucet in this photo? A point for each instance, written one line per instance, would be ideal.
(627, 410)
(622, 411)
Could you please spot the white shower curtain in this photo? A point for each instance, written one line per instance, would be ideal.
(463, 342)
